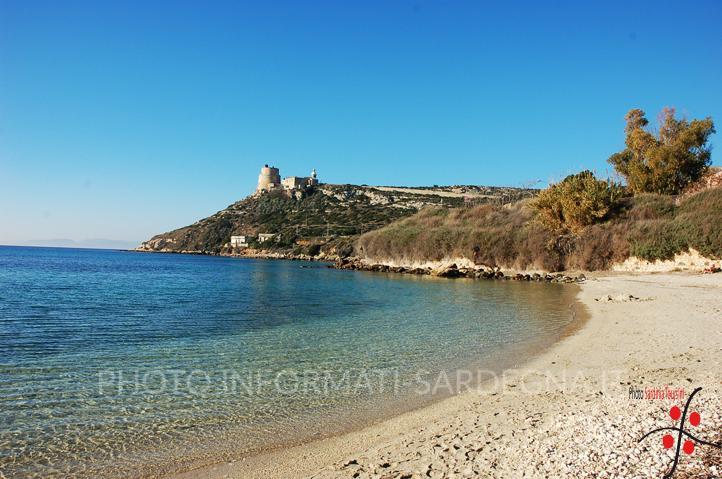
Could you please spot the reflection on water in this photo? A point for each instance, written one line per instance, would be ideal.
(117, 364)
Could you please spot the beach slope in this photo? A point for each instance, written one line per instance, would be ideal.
(573, 411)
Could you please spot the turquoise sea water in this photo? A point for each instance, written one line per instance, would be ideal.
(121, 364)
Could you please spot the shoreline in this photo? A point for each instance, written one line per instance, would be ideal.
(378, 416)
(556, 402)
(448, 268)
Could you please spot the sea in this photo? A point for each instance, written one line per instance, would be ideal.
(125, 364)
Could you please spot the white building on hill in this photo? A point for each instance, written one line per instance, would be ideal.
(270, 180)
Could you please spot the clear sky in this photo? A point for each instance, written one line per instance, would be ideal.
(125, 119)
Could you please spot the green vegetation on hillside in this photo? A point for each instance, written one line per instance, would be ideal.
(649, 226)
(582, 222)
(314, 215)
(332, 215)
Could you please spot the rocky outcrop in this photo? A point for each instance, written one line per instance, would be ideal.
(454, 271)
(691, 260)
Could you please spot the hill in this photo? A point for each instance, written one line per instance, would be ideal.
(323, 218)
(647, 226)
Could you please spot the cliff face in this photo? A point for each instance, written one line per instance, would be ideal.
(323, 214)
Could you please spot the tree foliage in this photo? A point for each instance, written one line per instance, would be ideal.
(666, 162)
(576, 202)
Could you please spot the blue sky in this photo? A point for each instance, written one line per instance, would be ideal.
(124, 119)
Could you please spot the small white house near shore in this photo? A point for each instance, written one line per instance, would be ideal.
(263, 237)
(239, 241)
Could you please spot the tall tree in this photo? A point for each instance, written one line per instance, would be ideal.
(665, 163)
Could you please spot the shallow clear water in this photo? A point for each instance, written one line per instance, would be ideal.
(120, 364)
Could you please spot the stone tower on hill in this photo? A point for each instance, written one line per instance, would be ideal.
(269, 179)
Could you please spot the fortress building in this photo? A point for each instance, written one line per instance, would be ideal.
(270, 180)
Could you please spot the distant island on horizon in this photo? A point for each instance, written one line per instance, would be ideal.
(95, 243)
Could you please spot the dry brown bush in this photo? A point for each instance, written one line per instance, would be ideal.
(648, 226)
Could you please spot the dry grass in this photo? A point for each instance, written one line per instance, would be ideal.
(648, 226)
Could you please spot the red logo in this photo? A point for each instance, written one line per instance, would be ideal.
(668, 440)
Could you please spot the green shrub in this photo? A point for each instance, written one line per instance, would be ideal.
(693, 224)
(650, 206)
(576, 202)
(656, 239)
(699, 216)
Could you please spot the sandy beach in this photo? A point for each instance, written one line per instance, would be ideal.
(577, 410)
